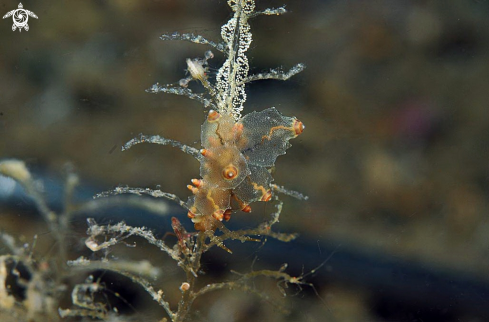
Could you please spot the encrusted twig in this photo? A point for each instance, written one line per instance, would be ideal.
(264, 229)
(142, 191)
(196, 39)
(143, 267)
(122, 231)
(158, 296)
(291, 193)
(156, 139)
(240, 285)
(275, 74)
(131, 270)
(269, 12)
(157, 207)
(181, 91)
(83, 296)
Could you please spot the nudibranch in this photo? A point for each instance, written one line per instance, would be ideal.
(235, 163)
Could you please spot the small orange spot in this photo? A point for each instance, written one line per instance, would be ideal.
(227, 215)
(273, 129)
(213, 141)
(190, 215)
(201, 225)
(298, 127)
(197, 182)
(205, 224)
(193, 189)
(218, 214)
(184, 287)
(246, 208)
(238, 130)
(44, 266)
(204, 152)
(230, 172)
(213, 116)
(267, 196)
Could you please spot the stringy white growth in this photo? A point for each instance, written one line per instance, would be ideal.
(237, 36)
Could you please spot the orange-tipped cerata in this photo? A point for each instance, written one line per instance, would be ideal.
(213, 116)
(298, 127)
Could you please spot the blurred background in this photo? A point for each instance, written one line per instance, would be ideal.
(394, 156)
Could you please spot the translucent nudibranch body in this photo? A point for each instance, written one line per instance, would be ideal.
(235, 163)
